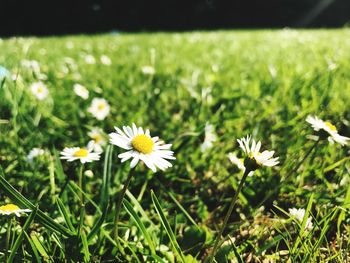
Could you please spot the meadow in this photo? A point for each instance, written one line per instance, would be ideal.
(200, 92)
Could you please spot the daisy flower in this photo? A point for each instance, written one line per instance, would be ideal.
(31, 64)
(84, 155)
(254, 158)
(81, 91)
(238, 162)
(90, 59)
(105, 60)
(11, 209)
(141, 146)
(209, 137)
(39, 90)
(326, 129)
(99, 108)
(148, 70)
(98, 139)
(35, 152)
(299, 214)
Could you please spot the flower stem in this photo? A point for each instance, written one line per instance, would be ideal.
(81, 184)
(229, 212)
(8, 237)
(119, 205)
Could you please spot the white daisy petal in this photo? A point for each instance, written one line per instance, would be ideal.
(253, 152)
(141, 146)
(325, 128)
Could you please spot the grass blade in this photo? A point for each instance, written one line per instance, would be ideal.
(140, 225)
(107, 170)
(167, 227)
(20, 237)
(18, 198)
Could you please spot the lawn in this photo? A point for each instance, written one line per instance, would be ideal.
(200, 92)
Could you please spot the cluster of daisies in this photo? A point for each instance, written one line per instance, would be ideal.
(140, 146)
(138, 143)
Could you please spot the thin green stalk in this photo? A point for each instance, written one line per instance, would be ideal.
(229, 212)
(81, 184)
(119, 205)
(8, 237)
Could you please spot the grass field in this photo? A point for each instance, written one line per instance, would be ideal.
(263, 83)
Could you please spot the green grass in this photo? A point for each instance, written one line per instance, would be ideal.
(263, 83)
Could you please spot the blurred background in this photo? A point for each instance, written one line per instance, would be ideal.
(56, 17)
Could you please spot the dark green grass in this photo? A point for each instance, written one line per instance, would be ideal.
(262, 83)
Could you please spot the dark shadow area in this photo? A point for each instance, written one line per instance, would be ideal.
(46, 17)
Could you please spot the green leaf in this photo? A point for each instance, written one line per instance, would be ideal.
(19, 199)
(167, 227)
(35, 251)
(64, 212)
(107, 170)
(39, 246)
(20, 237)
(140, 225)
(182, 209)
(86, 251)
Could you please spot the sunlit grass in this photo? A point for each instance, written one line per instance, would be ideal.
(263, 83)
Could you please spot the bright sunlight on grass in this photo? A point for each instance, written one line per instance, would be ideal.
(194, 147)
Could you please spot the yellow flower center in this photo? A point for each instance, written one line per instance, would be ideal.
(142, 144)
(97, 138)
(330, 126)
(101, 106)
(81, 153)
(40, 89)
(9, 208)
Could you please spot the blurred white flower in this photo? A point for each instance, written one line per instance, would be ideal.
(89, 173)
(141, 146)
(326, 129)
(90, 59)
(255, 158)
(299, 214)
(148, 70)
(209, 137)
(31, 64)
(35, 152)
(39, 90)
(98, 140)
(99, 108)
(105, 60)
(81, 91)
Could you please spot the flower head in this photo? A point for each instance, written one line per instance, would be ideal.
(39, 90)
(84, 155)
(90, 59)
(105, 60)
(10, 209)
(99, 108)
(254, 158)
(326, 129)
(148, 70)
(35, 152)
(209, 137)
(141, 146)
(81, 91)
(238, 162)
(299, 214)
(98, 139)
